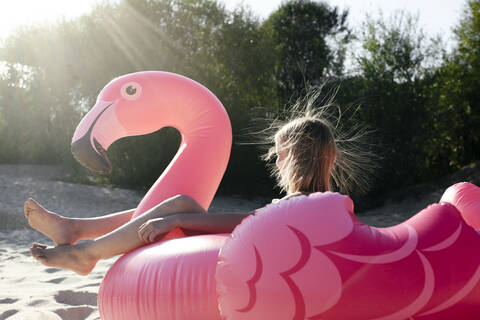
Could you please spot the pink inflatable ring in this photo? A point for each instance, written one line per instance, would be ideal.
(307, 257)
(320, 262)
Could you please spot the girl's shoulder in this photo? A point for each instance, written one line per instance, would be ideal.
(291, 195)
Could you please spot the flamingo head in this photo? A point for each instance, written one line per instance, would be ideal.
(133, 104)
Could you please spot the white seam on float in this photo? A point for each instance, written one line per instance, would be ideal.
(447, 242)
(408, 247)
(467, 288)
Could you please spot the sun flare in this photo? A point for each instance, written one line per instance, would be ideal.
(15, 14)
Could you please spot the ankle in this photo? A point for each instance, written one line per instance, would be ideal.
(73, 228)
(90, 249)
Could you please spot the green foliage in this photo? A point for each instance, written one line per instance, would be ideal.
(422, 102)
(71, 61)
(458, 99)
(396, 50)
(302, 33)
(393, 72)
(23, 126)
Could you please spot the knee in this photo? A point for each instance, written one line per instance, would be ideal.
(182, 200)
(185, 203)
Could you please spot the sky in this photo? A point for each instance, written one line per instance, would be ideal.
(435, 16)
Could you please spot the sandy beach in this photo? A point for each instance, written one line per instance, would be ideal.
(33, 292)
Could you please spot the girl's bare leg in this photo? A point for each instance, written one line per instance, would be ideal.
(64, 230)
(82, 257)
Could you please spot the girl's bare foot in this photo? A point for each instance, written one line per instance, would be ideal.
(60, 229)
(75, 258)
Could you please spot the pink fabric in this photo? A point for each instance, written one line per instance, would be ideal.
(150, 283)
(465, 196)
(309, 257)
(173, 279)
(167, 99)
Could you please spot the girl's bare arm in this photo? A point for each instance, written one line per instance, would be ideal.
(191, 223)
(221, 222)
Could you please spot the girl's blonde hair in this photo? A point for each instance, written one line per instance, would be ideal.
(319, 155)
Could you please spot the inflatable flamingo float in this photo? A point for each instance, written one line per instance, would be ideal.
(307, 257)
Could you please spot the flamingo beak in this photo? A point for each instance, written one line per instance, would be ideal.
(89, 143)
(91, 157)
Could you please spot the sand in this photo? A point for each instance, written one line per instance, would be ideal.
(29, 290)
(32, 291)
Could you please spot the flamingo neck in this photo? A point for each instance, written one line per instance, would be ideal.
(198, 166)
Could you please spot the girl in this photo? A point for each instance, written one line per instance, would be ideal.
(308, 158)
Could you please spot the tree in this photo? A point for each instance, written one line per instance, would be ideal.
(394, 71)
(58, 70)
(458, 104)
(309, 39)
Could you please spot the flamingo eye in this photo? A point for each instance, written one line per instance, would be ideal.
(131, 90)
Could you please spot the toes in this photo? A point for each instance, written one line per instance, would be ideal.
(37, 253)
(26, 208)
(34, 203)
(39, 245)
(36, 247)
(28, 203)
